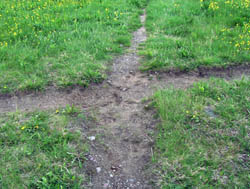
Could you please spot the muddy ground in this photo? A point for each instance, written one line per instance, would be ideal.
(120, 140)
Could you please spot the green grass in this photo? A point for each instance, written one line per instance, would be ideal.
(203, 140)
(41, 150)
(185, 35)
(62, 43)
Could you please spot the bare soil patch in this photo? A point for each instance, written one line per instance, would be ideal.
(125, 77)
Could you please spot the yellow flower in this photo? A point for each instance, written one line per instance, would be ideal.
(23, 127)
(237, 45)
(213, 6)
(57, 111)
(37, 127)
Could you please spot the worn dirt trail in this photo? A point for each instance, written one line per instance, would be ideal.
(121, 148)
(124, 148)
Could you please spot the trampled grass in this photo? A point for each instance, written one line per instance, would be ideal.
(203, 140)
(40, 150)
(189, 34)
(61, 43)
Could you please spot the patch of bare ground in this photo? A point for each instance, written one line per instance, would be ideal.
(119, 138)
(123, 78)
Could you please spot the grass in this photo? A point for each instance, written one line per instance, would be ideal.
(61, 43)
(203, 138)
(185, 35)
(41, 150)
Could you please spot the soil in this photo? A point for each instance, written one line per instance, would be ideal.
(121, 147)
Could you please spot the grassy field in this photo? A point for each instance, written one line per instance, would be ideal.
(185, 35)
(203, 140)
(41, 150)
(61, 43)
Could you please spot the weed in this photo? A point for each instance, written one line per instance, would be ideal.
(71, 110)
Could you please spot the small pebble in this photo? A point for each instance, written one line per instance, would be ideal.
(98, 169)
(209, 111)
(109, 82)
(91, 138)
(131, 180)
(131, 72)
(113, 168)
(111, 175)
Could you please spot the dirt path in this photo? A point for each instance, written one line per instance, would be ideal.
(120, 142)
(123, 149)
